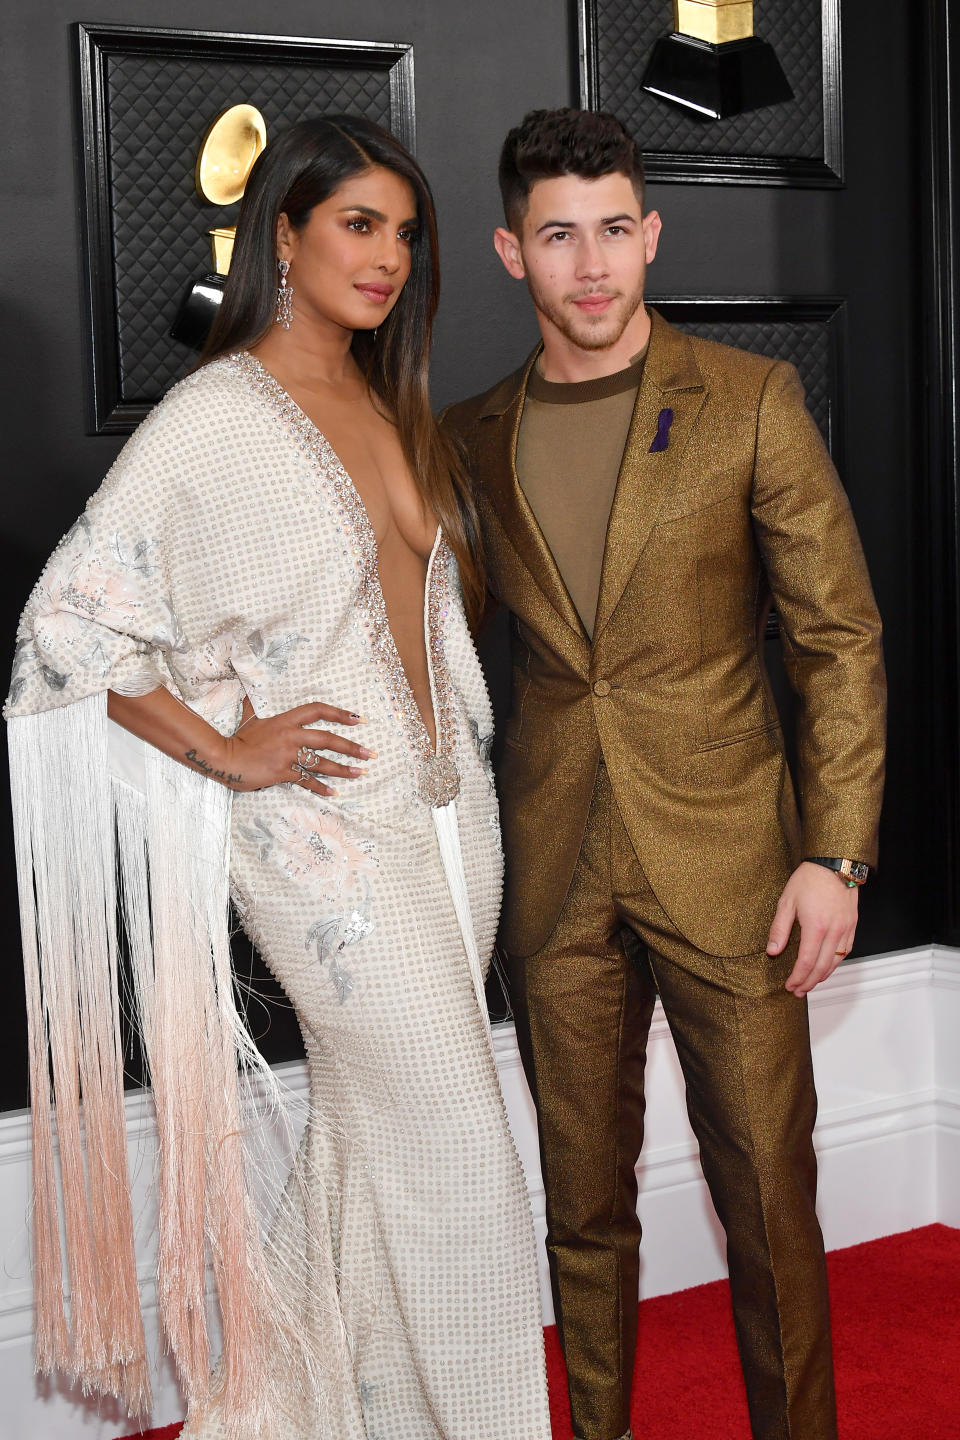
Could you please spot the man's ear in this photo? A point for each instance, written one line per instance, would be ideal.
(651, 234)
(507, 247)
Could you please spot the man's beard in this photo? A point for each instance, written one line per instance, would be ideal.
(598, 332)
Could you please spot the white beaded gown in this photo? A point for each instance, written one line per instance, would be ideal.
(228, 553)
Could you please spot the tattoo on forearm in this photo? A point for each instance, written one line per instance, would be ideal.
(226, 776)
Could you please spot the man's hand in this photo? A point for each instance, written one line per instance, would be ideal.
(826, 911)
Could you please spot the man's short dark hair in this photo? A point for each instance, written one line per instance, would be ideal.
(548, 143)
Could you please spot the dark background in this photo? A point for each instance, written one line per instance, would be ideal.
(880, 243)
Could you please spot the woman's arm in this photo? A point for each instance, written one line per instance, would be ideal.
(260, 754)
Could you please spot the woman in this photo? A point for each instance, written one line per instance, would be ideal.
(268, 537)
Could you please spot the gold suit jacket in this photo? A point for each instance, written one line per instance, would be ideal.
(742, 505)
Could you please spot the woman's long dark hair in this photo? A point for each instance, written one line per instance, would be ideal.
(298, 170)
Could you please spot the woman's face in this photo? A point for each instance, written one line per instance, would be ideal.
(352, 258)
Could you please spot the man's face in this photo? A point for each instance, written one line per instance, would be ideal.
(583, 249)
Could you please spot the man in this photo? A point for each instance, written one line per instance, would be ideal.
(643, 494)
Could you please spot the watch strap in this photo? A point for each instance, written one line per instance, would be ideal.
(851, 872)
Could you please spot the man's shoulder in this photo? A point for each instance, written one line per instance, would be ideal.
(461, 416)
(715, 357)
(722, 364)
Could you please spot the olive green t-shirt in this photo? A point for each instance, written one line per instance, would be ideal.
(569, 451)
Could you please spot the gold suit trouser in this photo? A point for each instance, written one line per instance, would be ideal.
(583, 1006)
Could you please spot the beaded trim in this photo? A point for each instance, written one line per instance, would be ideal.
(438, 779)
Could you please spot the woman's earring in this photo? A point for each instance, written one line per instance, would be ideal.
(284, 296)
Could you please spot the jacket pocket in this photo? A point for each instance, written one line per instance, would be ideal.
(702, 496)
(741, 735)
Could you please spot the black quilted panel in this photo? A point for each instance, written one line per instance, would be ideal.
(626, 32)
(159, 108)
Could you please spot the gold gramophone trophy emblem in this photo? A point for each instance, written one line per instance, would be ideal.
(232, 143)
(713, 65)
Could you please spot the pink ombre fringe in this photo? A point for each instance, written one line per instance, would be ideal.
(172, 850)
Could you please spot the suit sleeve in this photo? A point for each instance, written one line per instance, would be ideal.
(830, 627)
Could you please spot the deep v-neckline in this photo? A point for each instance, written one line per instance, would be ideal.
(438, 777)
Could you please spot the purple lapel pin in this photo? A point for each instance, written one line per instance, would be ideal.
(662, 437)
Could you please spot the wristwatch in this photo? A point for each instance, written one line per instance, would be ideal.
(851, 872)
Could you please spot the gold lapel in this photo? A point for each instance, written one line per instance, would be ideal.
(671, 380)
(499, 430)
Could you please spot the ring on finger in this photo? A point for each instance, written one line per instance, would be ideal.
(307, 758)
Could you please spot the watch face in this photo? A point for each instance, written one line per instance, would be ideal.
(857, 870)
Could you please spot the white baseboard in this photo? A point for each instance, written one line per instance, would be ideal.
(885, 1039)
(946, 1040)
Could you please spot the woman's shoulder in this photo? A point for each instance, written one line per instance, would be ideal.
(214, 406)
(194, 429)
(200, 394)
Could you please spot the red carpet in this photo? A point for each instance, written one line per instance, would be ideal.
(896, 1325)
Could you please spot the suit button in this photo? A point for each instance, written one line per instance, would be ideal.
(601, 687)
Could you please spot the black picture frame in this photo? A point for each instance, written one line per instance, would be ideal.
(118, 402)
(729, 318)
(723, 165)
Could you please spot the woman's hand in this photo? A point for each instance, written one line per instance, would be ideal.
(277, 751)
(282, 750)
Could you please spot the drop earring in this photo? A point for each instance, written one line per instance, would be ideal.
(284, 296)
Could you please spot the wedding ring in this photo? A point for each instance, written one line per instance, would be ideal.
(842, 953)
